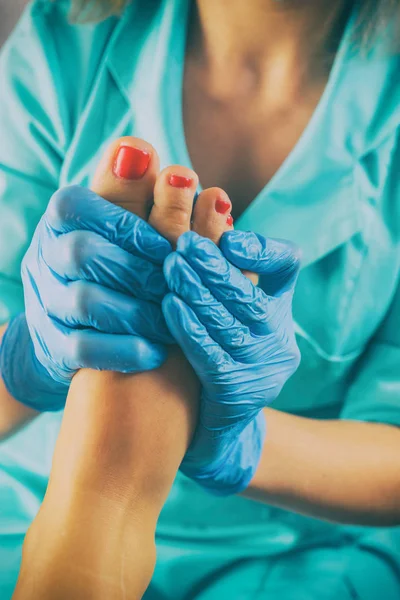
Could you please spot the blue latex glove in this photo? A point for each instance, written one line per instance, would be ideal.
(93, 285)
(23, 375)
(240, 342)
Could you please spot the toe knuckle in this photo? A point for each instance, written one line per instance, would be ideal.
(178, 209)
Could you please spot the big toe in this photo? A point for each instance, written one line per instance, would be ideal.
(127, 174)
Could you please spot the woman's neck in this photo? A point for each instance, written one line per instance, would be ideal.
(262, 41)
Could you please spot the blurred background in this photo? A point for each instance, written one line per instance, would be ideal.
(10, 11)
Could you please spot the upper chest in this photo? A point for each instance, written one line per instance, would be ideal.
(240, 143)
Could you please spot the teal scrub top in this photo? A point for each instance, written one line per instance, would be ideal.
(66, 92)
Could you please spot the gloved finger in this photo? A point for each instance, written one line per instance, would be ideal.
(72, 349)
(86, 255)
(90, 349)
(222, 326)
(89, 305)
(277, 260)
(200, 349)
(77, 207)
(248, 303)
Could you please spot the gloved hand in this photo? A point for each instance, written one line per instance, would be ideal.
(240, 341)
(93, 285)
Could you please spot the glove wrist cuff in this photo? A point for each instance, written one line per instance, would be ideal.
(25, 378)
(234, 471)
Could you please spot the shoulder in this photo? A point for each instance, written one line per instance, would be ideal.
(40, 16)
(45, 36)
(367, 88)
(47, 23)
(48, 65)
(370, 107)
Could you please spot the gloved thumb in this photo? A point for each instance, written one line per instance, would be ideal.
(276, 261)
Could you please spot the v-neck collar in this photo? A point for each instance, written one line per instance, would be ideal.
(175, 98)
(312, 199)
(268, 212)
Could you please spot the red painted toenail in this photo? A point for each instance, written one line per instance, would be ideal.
(180, 182)
(229, 221)
(131, 162)
(222, 205)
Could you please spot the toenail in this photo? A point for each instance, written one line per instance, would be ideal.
(222, 205)
(179, 181)
(229, 221)
(131, 162)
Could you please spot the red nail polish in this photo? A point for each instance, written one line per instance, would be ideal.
(222, 205)
(131, 162)
(229, 221)
(180, 182)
